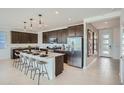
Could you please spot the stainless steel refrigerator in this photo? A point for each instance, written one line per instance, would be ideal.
(75, 51)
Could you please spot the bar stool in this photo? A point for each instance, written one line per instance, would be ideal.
(21, 62)
(32, 66)
(42, 70)
(16, 60)
(24, 64)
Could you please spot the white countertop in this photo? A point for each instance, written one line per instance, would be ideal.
(52, 54)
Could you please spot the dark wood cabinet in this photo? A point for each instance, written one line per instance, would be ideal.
(63, 34)
(32, 38)
(22, 37)
(79, 30)
(59, 36)
(75, 31)
(45, 37)
(14, 37)
(59, 65)
(71, 31)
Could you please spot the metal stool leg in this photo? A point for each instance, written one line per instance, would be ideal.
(34, 74)
(39, 78)
(46, 72)
(31, 74)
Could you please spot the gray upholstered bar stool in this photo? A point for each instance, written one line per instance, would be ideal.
(41, 71)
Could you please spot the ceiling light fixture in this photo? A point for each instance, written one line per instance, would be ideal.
(25, 26)
(31, 25)
(41, 23)
(56, 12)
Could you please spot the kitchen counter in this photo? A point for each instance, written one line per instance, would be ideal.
(54, 61)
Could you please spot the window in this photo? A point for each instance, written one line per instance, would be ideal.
(106, 36)
(2, 39)
(105, 52)
(106, 41)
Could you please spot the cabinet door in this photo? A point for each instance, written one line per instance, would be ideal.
(53, 34)
(71, 31)
(79, 30)
(35, 38)
(14, 37)
(23, 37)
(20, 35)
(64, 36)
(45, 37)
(59, 37)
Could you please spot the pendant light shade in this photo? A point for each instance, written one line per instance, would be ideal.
(31, 25)
(25, 25)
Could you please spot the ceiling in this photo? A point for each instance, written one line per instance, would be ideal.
(14, 17)
(108, 23)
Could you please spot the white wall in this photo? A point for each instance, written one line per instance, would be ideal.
(6, 52)
(115, 41)
(40, 38)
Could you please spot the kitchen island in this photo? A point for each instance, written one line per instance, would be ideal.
(55, 62)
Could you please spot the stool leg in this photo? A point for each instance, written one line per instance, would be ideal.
(31, 74)
(27, 71)
(22, 67)
(18, 63)
(42, 71)
(46, 72)
(34, 74)
(13, 62)
(39, 78)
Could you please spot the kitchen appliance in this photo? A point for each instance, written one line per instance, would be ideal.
(75, 51)
(52, 40)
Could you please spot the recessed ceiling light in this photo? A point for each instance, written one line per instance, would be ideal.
(69, 19)
(56, 12)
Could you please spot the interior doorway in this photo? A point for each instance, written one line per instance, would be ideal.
(106, 42)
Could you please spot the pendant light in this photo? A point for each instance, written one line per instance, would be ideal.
(25, 26)
(31, 25)
(40, 21)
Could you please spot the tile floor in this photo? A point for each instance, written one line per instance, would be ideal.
(103, 71)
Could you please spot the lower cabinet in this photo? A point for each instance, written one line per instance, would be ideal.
(59, 65)
(65, 55)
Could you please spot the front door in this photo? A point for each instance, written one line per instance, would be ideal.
(105, 43)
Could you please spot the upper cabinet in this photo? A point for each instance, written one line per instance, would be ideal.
(71, 31)
(75, 31)
(22, 37)
(79, 30)
(45, 37)
(62, 34)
